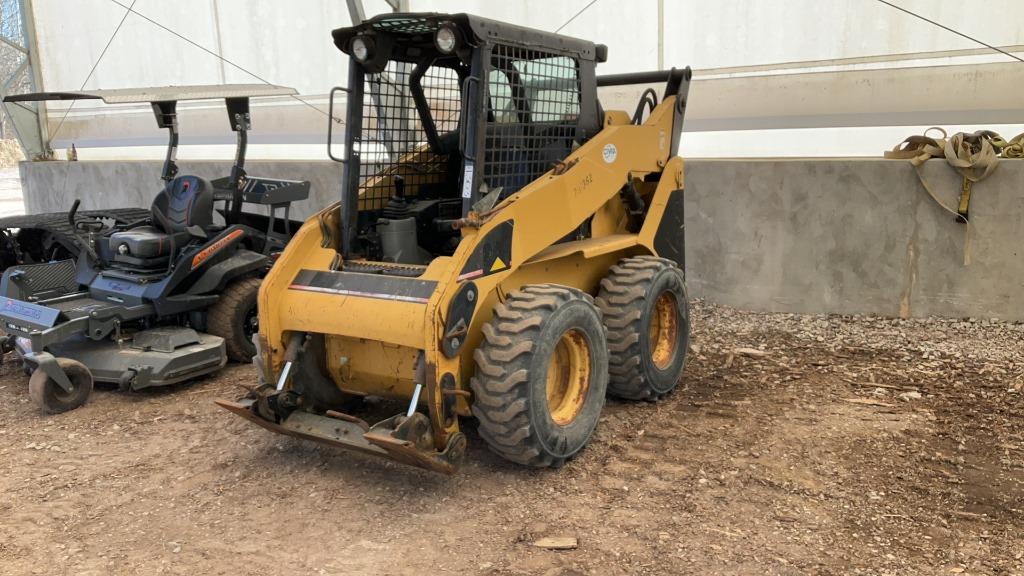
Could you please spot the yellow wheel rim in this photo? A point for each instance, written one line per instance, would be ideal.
(568, 377)
(663, 333)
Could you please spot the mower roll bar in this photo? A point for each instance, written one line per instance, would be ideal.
(167, 117)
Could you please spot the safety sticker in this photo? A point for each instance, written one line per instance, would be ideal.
(467, 181)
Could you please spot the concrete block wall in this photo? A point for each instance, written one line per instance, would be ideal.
(784, 235)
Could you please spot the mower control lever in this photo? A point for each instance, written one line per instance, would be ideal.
(73, 211)
(91, 226)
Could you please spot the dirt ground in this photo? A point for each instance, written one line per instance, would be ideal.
(796, 445)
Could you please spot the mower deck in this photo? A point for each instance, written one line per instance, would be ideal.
(155, 357)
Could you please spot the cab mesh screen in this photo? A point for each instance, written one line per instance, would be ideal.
(533, 107)
(393, 141)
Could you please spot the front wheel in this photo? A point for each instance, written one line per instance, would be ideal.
(234, 318)
(51, 397)
(541, 375)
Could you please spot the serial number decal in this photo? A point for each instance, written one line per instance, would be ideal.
(17, 328)
(212, 249)
(582, 185)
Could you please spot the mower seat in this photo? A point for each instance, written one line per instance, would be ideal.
(186, 201)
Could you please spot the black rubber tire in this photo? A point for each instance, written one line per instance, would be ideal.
(229, 316)
(627, 301)
(51, 398)
(509, 387)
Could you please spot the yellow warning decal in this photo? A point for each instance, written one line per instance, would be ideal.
(499, 264)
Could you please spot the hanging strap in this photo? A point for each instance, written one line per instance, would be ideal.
(919, 149)
(1012, 149)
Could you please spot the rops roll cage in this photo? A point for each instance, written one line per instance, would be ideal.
(408, 38)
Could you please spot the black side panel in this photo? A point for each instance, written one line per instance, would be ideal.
(669, 240)
(492, 254)
(460, 315)
(589, 119)
(217, 276)
(365, 285)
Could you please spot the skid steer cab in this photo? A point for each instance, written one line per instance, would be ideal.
(504, 248)
(166, 298)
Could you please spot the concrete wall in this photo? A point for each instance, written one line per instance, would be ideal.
(830, 235)
(54, 186)
(853, 236)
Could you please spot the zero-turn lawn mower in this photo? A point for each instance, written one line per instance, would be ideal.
(504, 248)
(165, 298)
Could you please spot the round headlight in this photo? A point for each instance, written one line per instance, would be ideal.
(122, 249)
(446, 40)
(362, 48)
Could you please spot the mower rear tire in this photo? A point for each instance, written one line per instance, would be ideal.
(234, 318)
(644, 305)
(51, 397)
(541, 375)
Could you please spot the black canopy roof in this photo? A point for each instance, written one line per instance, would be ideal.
(160, 93)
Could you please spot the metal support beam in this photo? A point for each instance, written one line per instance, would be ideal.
(978, 94)
(355, 11)
(28, 118)
(661, 34)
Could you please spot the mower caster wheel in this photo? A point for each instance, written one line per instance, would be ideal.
(51, 397)
(126, 381)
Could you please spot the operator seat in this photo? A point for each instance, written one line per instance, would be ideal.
(184, 202)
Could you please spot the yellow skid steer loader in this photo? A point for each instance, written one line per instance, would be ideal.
(503, 249)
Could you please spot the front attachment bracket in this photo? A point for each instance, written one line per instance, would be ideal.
(405, 439)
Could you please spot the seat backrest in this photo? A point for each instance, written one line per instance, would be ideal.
(185, 201)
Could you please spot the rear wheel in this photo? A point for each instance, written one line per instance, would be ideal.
(234, 318)
(54, 399)
(643, 300)
(541, 375)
